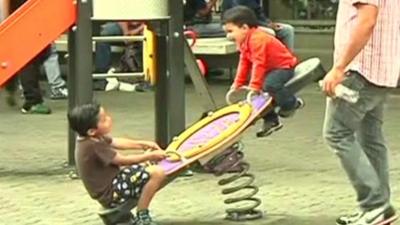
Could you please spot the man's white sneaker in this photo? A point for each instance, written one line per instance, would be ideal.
(384, 215)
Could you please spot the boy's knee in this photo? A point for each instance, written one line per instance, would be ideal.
(271, 89)
(330, 137)
(157, 172)
(337, 140)
(332, 141)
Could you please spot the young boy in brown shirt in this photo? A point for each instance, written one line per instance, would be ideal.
(108, 176)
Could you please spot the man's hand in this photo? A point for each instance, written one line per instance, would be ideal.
(136, 31)
(334, 77)
(275, 26)
(157, 155)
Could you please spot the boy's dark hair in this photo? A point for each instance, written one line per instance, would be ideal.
(84, 117)
(240, 15)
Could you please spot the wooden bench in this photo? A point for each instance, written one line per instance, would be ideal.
(203, 46)
(218, 52)
(62, 45)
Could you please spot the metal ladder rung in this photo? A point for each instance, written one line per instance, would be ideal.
(119, 75)
(135, 38)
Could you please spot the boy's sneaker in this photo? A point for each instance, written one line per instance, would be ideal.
(380, 216)
(36, 109)
(187, 173)
(143, 218)
(289, 113)
(133, 220)
(268, 127)
(59, 93)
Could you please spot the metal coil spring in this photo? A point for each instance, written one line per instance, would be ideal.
(238, 182)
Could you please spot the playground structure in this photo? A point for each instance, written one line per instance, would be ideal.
(32, 19)
(43, 21)
(218, 131)
(17, 49)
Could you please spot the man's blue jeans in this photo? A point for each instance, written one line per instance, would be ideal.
(52, 69)
(354, 133)
(286, 35)
(103, 49)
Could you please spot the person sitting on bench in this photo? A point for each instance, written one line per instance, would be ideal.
(99, 163)
(271, 65)
(131, 61)
(197, 16)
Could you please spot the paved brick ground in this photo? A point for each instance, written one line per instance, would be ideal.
(300, 181)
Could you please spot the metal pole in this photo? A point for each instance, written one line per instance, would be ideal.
(71, 83)
(161, 91)
(198, 80)
(118, 38)
(80, 76)
(176, 82)
(170, 87)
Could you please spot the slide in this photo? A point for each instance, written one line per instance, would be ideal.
(29, 30)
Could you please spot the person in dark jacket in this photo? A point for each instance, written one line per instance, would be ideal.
(28, 75)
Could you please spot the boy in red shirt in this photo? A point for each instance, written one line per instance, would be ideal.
(268, 61)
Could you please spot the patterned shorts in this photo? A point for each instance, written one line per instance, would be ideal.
(129, 183)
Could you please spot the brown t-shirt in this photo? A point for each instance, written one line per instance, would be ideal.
(93, 160)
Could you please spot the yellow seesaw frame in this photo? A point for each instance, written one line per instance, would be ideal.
(244, 111)
(149, 56)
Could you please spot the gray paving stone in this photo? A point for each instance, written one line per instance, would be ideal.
(300, 180)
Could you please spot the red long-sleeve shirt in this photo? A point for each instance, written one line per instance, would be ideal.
(261, 52)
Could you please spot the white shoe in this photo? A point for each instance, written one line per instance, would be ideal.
(380, 216)
(112, 84)
(126, 87)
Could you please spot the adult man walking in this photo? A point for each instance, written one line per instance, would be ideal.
(367, 53)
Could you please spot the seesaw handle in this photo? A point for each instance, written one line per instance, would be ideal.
(251, 94)
(228, 95)
(171, 153)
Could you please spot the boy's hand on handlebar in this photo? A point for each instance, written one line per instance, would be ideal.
(234, 88)
(237, 87)
(157, 155)
(256, 90)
